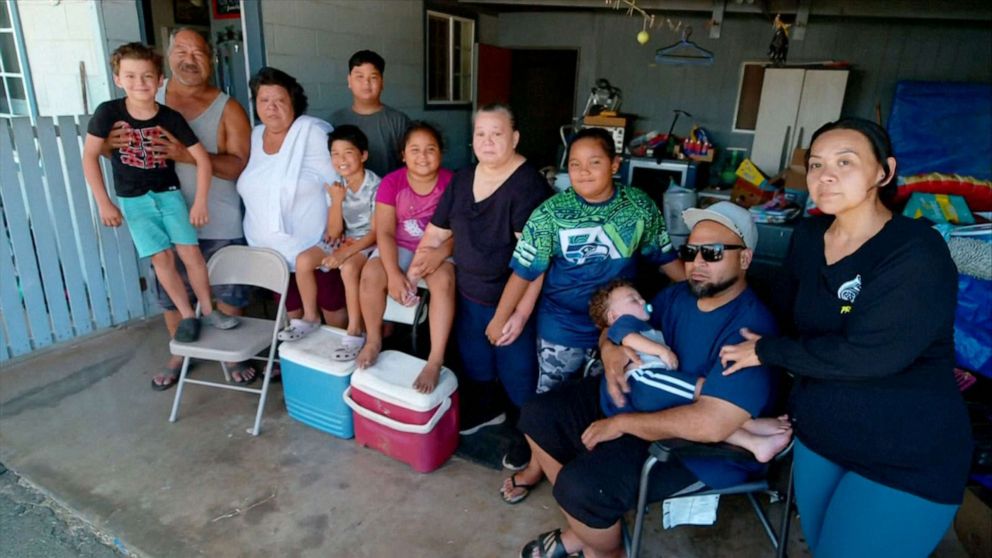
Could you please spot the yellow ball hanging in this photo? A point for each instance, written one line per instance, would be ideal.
(643, 37)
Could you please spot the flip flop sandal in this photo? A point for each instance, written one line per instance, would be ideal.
(298, 329)
(240, 369)
(548, 545)
(171, 377)
(519, 497)
(188, 330)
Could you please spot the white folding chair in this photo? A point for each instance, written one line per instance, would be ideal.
(238, 265)
(412, 315)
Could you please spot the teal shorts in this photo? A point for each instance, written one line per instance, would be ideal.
(158, 220)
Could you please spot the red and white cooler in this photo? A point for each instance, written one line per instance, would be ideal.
(418, 429)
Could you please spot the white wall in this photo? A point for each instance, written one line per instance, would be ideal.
(57, 38)
(312, 41)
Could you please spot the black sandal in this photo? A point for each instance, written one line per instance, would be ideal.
(514, 484)
(169, 378)
(548, 545)
(188, 330)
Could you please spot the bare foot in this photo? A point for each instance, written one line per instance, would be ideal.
(767, 447)
(369, 354)
(768, 426)
(427, 379)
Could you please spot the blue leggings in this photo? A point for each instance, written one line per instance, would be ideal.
(845, 515)
(514, 365)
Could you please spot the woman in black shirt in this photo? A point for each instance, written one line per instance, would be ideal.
(883, 438)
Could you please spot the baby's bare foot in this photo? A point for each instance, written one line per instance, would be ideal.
(770, 446)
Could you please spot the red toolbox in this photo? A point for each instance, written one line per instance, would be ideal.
(390, 416)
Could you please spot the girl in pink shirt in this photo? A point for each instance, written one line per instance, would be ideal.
(404, 206)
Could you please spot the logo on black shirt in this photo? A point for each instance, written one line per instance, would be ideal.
(849, 291)
(138, 152)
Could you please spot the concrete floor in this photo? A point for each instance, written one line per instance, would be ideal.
(81, 422)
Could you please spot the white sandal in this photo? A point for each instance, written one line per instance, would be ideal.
(351, 345)
(298, 329)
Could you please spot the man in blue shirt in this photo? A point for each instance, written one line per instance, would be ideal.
(594, 462)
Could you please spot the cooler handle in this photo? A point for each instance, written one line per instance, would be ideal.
(396, 425)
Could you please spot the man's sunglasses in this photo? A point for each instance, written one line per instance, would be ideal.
(711, 252)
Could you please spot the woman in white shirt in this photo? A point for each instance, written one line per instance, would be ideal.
(283, 185)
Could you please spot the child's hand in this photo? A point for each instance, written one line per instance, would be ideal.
(329, 237)
(669, 358)
(336, 191)
(401, 290)
(110, 216)
(198, 215)
(335, 258)
(494, 331)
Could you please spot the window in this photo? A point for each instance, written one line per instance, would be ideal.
(15, 94)
(450, 54)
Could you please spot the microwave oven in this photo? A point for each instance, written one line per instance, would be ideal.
(654, 177)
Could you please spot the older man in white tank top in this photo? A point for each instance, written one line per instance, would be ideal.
(221, 125)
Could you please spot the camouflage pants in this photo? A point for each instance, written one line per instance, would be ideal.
(559, 364)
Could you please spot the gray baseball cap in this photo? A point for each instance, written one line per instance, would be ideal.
(728, 214)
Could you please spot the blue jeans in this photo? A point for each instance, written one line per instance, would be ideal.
(514, 365)
(845, 515)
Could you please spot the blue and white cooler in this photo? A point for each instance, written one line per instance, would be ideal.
(313, 383)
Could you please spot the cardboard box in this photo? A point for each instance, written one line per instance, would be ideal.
(973, 523)
(746, 194)
(793, 178)
(939, 208)
(606, 120)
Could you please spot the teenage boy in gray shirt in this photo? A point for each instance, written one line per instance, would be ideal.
(383, 125)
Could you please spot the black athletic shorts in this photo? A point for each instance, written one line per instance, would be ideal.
(596, 487)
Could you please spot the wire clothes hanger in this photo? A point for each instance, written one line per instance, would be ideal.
(684, 52)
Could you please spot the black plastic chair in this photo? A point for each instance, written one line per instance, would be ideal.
(665, 450)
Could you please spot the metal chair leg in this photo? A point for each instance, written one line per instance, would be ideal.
(642, 502)
(179, 390)
(783, 532)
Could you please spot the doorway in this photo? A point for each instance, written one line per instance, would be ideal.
(219, 21)
(542, 95)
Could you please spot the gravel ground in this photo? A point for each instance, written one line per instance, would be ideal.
(33, 525)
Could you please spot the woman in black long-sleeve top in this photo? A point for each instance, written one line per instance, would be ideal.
(883, 439)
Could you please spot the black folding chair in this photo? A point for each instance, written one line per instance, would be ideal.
(666, 450)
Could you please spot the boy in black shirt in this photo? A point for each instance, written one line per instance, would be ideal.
(147, 187)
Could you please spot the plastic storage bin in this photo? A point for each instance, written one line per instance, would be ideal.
(391, 417)
(313, 382)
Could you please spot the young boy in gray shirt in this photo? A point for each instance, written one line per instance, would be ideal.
(383, 125)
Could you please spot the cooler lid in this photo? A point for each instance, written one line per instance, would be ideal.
(391, 379)
(314, 351)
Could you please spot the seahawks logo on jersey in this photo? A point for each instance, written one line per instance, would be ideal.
(849, 290)
(587, 245)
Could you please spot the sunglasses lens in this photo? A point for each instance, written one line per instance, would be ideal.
(712, 253)
(687, 253)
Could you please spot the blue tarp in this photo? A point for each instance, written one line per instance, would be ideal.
(973, 325)
(942, 127)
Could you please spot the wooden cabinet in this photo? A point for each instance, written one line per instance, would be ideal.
(794, 103)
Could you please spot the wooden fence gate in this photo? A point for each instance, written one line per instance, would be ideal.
(62, 273)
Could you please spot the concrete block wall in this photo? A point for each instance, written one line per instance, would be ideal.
(313, 39)
(882, 52)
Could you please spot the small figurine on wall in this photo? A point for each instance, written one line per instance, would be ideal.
(778, 49)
